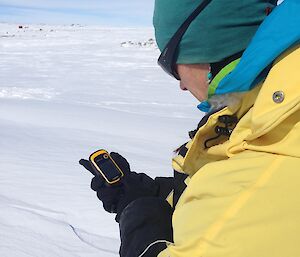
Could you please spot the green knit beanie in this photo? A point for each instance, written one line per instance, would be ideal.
(222, 29)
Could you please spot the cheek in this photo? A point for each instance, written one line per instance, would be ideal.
(197, 83)
(198, 86)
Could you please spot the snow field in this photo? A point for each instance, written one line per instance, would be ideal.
(66, 91)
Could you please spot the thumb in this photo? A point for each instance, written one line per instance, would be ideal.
(87, 165)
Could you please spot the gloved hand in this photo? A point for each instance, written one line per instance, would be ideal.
(131, 187)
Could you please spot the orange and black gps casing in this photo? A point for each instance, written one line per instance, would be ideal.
(105, 166)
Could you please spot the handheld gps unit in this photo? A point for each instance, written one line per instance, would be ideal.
(105, 166)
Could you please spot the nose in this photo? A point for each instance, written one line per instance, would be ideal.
(182, 87)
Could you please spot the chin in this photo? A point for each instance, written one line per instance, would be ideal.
(201, 98)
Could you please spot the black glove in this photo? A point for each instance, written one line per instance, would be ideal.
(131, 187)
(145, 222)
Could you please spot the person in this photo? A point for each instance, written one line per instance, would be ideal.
(236, 182)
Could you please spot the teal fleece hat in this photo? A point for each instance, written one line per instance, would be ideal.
(222, 29)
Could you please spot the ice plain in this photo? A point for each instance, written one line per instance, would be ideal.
(66, 91)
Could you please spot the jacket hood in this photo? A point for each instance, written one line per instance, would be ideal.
(272, 124)
(279, 31)
(267, 125)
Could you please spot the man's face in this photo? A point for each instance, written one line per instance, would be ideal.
(193, 77)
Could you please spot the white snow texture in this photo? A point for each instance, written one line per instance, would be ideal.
(66, 91)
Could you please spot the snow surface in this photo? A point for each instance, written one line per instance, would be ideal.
(66, 91)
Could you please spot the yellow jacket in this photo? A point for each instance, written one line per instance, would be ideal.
(243, 194)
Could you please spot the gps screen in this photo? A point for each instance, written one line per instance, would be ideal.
(108, 168)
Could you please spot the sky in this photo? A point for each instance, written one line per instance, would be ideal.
(100, 12)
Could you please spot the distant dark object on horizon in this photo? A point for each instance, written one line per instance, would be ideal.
(149, 43)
